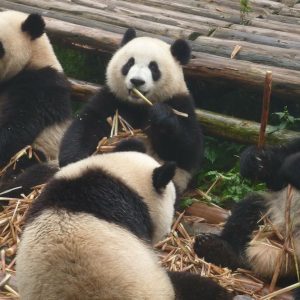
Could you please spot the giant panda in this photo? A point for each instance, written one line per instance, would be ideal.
(239, 245)
(34, 93)
(89, 234)
(155, 69)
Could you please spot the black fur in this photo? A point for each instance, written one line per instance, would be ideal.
(155, 71)
(181, 50)
(265, 165)
(228, 249)
(190, 286)
(296, 294)
(173, 138)
(34, 25)
(33, 176)
(2, 51)
(216, 250)
(176, 138)
(99, 194)
(30, 102)
(129, 35)
(290, 170)
(130, 144)
(163, 175)
(125, 69)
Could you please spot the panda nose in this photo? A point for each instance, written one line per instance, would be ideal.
(137, 82)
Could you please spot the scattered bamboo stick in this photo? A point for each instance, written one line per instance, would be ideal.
(235, 51)
(265, 109)
(139, 94)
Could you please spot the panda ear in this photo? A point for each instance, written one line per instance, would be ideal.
(181, 50)
(34, 25)
(163, 175)
(129, 35)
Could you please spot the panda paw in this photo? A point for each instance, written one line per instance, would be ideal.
(163, 119)
(215, 250)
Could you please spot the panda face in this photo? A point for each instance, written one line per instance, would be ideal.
(23, 44)
(15, 49)
(148, 65)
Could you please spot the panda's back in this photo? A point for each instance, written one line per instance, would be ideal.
(78, 256)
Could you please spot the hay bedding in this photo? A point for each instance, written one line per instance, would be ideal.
(175, 252)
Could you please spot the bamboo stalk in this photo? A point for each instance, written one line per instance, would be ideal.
(139, 94)
(265, 109)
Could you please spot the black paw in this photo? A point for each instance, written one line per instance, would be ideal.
(190, 286)
(130, 144)
(262, 165)
(215, 250)
(163, 119)
(290, 170)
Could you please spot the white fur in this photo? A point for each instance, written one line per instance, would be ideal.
(135, 170)
(70, 256)
(144, 50)
(49, 140)
(261, 254)
(20, 51)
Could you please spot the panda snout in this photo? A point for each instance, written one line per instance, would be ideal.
(137, 82)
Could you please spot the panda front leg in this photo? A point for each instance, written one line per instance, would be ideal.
(227, 250)
(176, 138)
(190, 286)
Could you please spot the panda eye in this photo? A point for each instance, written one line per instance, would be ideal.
(156, 74)
(127, 66)
(2, 52)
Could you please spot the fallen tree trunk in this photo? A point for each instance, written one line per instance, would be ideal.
(215, 124)
(105, 37)
(285, 82)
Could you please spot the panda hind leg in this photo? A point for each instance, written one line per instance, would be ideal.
(216, 250)
(190, 286)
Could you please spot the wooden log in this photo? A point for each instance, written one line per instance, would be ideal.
(259, 37)
(212, 214)
(286, 82)
(100, 38)
(215, 124)
(240, 130)
(268, 55)
(270, 32)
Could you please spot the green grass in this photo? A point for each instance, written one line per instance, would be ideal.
(81, 65)
(220, 175)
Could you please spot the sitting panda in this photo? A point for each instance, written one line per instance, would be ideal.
(34, 93)
(88, 234)
(236, 246)
(155, 69)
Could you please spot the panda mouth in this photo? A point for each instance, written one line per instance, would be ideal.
(133, 95)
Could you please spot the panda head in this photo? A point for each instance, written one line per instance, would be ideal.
(149, 65)
(23, 44)
(139, 172)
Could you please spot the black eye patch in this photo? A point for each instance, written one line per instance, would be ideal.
(153, 66)
(2, 52)
(127, 66)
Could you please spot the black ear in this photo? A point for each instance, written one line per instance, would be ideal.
(163, 175)
(129, 35)
(181, 50)
(34, 25)
(130, 144)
